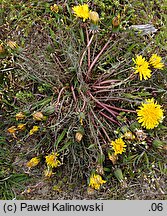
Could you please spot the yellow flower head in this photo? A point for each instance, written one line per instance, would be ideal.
(33, 130)
(118, 146)
(12, 129)
(96, 181)
(155, 61)
(33, 162)
(142, 67)
(54, 8)
(38, 116)
(82, 11)
(20, 116)
(52, 160)
(94, 16)
(150, 114)
(21, 127)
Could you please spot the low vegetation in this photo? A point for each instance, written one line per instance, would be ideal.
(83, 99)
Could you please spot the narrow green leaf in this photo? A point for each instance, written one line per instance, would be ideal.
(60, 137)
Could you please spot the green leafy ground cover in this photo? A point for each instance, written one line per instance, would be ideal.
(57, 66)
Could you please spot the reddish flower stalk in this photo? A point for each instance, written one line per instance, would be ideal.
(109, 118)
(102, 105)
(102, 127)
(60, 93)
(102, 87)
(113, 112)
(107, 81)
(87, 47)
(88, 76)
(104, 131)
(73, 93)
(103, 90)
(118, 108)
(94, 124)
(87, 37)
(84, 101)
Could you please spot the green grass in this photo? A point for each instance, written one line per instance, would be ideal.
(46, 72)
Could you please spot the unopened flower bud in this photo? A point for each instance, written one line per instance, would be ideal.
(1, 49)
(116, 21)
(38, 116)
(78, 136)
(94, 16)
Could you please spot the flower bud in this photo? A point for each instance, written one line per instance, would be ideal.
(1, 49)
(116, 21)
(49, 110)
(38, 116)
(94, 16)
(129, 136)
(113, 158)
(118, 174)
(78, 136)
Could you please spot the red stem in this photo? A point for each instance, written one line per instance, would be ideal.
(58, 98)
(84, 101)
(114, 112)
(87, 37)
(88, 76)
(117, 108)
(107, 81)
(102, 105)
(102, 87)
(73, 93)
(93, 121)
(104, 131)
(109, 118)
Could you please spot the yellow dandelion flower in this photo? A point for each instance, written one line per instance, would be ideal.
(33, 162)
(142, 67)
(38, 116)
(94, 16)
(96, 181)
(82, 11)
(52, 160)
(21, 127)
(150, 114)
(118, 146)
(12, 129)
(54, 8)
(155, 61)
(20, 116)
(33, 130)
